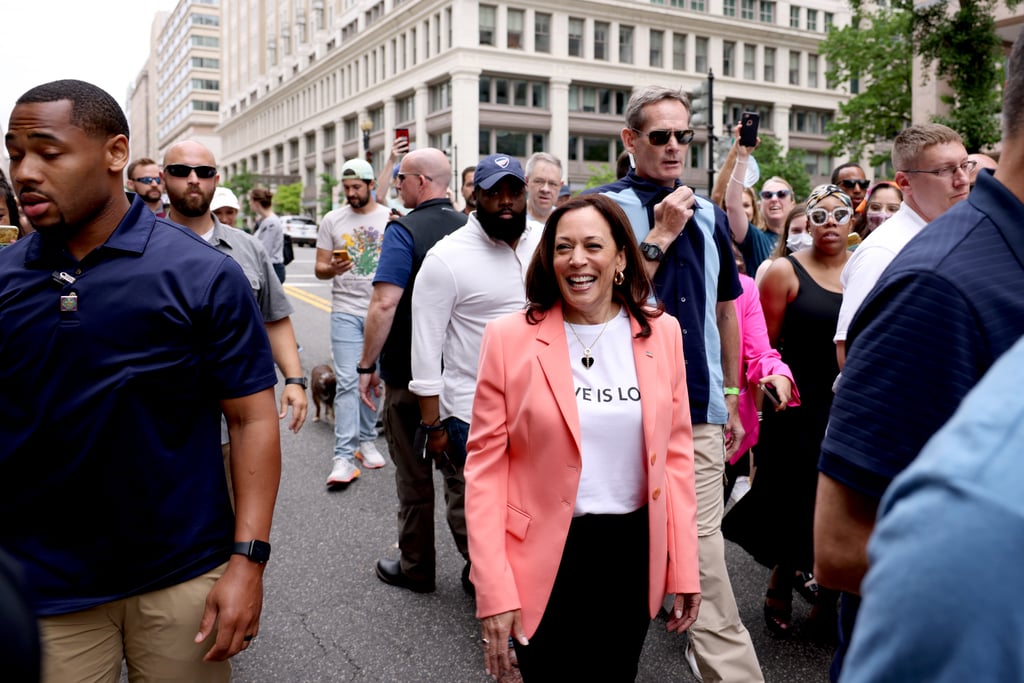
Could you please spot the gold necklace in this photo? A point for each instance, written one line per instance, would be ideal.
(588, 359)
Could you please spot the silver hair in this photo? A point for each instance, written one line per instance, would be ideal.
(651, 94)
(542, 156)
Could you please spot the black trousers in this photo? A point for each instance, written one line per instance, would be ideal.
(596, 620)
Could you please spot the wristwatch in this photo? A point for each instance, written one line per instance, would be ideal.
(256, 551)
(301, 381)
(651, 252)
(367, 371)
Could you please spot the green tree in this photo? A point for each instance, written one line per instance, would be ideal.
(327, 183)
(600, 175)
(874, 53)
(772, 162)
(288, 199)
(967, 53)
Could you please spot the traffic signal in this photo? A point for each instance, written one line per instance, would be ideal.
(699, 105)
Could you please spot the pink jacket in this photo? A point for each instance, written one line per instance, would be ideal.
(523, 466)
(759, 360)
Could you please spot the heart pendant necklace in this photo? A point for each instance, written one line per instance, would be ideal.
(588, 359)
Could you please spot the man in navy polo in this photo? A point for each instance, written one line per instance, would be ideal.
(944, 310)
(124, 338)
(686, 242)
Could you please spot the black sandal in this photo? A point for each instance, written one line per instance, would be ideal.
(807, 586)
(779, 619)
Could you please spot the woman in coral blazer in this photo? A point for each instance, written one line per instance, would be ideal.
(580, 500)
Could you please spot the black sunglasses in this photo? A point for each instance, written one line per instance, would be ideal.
(184, 171)
(147, 180)
(849, 184)
(661, 137)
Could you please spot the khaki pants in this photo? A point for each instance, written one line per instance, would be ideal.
(152, 632)
(721, 643)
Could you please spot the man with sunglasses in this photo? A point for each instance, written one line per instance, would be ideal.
(947, 306)
(926, 196)
(851, 179)
(144, 180)
(423, 186)
(688, 250)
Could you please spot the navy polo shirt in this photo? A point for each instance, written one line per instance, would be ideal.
(111, 475)
(941, 314)
(696, 273)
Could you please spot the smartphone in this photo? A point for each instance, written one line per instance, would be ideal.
(769, 390)
(342, 254)
(749, 122)
(403, 133)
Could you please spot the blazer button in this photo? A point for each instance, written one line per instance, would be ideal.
(656, 494)
(654, 457)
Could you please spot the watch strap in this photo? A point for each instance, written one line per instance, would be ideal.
(301, 381)
(366, 371)
(255, 550)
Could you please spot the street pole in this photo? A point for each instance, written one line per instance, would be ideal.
(711, 132)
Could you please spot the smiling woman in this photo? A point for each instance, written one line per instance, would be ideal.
(597, 380)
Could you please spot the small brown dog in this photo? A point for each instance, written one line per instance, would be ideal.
(323, 384)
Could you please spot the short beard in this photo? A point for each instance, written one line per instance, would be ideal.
(191, 206)
(502, 229)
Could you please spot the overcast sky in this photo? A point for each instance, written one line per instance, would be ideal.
(100, 41)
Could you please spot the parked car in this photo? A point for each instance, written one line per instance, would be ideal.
(302, 229)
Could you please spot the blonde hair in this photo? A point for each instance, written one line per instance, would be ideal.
(915, 139)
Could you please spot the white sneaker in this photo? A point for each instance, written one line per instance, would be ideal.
(691, 659)
(343, 472)
(370, 456)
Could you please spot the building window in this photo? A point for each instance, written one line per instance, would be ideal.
(701, 57)
(439, 96)
(729, 8)
(598, 100)
(769, 64)
(767, 12)
(575, 37)
(542, 32)
(329, 140)
(812, 20)
(625, 44)
(205, 63)
(511, 142)
(830, 21)
(597, 150)
(817, 163)
(794, 68)
(601, 29)
(351, 126)
(749, 58)
(728, 58)
(540, 96)
(205, 41)
(747, 10)
(812, 71)
(679, 51)
(485, 89)
(698, 6)
(487, 23)
(794, 16)
(514, 33)
(515, 92)
(405, 109)
(657, 48)
(200, 105)
(205, 84)
(501, 88)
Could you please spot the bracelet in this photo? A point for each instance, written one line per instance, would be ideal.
(436, 427)
(367, 371)
(735, 179)
(731, 391)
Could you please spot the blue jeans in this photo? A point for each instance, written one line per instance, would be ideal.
(353, 421)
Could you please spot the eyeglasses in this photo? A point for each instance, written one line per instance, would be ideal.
(850, 183)
(841, 215)
(184, 171)
(661, 137)
(403, 176)
(948, 171)
(147, 180)
(781, 194)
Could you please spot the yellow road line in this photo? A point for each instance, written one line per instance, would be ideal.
(305, 297)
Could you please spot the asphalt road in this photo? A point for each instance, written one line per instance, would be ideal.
(326, 617)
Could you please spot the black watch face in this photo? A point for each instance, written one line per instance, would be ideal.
(651, 251)
(259, 551)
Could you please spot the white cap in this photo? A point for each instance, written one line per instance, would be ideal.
(223, 197)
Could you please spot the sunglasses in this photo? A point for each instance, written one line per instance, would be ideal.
(849, 184)
(147, 180)
(841, 215)
(403, 176)
(781, 194)
(184, 171)
(661, 137)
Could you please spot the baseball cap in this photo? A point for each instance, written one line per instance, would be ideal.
(494, 167)
(357, 169)
(223, 197)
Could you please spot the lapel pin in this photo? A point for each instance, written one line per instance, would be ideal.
(648, 354)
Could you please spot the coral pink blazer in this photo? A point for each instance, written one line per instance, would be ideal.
(523, 465)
